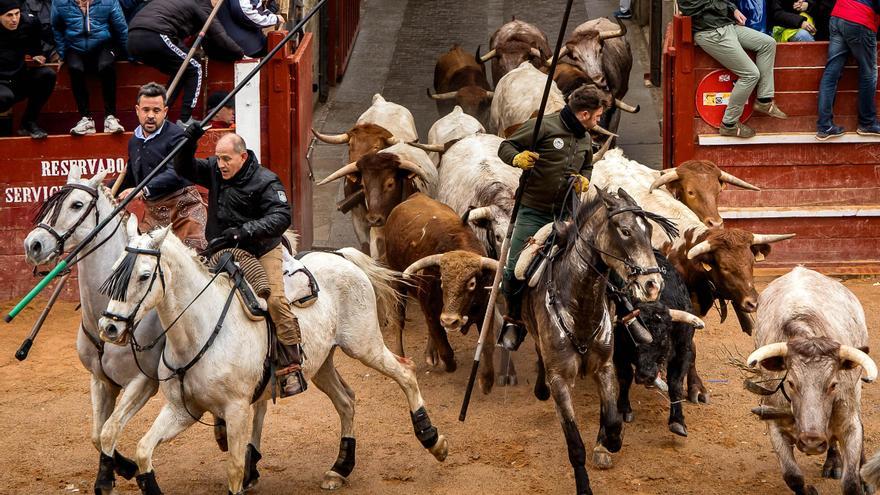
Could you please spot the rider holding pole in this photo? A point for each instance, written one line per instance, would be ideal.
(248, 209)
(562, 158)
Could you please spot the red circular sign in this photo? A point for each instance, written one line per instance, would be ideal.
(712, 96)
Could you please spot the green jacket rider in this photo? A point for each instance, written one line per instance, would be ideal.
(562, 159)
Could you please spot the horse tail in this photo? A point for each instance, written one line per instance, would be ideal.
(871, 471)
(384, 281)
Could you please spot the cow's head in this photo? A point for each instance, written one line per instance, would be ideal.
(361, 139)
(816, 376)
(386, 178)
(474, 100)
(727, 257)
(697, 184)
(464, 275)
(661, 322)
(585, 48)
(508, 55)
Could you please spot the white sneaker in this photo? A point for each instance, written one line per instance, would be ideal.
(112, 125)
(86, 125)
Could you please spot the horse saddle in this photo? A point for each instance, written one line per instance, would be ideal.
(535, 255)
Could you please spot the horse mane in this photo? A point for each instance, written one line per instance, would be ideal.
(56, 199)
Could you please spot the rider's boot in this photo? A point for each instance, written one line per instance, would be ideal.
(513, 330)
(290, 377)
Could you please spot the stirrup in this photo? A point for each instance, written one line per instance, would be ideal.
(291, 380)
(512, 334)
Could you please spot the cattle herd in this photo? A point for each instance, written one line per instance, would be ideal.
(438, 210)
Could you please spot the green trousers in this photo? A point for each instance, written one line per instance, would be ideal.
(728, 45)
(528, 221)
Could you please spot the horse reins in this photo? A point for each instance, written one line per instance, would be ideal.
(61, 239)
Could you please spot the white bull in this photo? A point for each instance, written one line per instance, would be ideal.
(518, 97)
(811, 337)
(451, 127)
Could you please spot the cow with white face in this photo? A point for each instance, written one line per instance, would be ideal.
(518, 98)
(812, 340)
(447, 130)
(383, 124)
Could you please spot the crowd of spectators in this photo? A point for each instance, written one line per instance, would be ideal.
(39, 38)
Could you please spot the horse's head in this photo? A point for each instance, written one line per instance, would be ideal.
(625, 246)
(136, 285)
(65, 217)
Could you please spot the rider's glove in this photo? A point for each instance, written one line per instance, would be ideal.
(232, 235)
(525, 159)
(580, 183)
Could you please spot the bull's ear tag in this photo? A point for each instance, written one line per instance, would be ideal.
(706, 266)
(759, 257)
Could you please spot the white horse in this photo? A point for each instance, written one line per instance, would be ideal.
(64, 220)
(158, 271)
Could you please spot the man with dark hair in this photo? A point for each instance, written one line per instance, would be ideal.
(20, 36)
(156, 37)
(169, 199)
(248, 209)
(225, 118)
(561, 162)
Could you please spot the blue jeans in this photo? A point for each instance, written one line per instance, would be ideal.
(802, 35)
(849, 38)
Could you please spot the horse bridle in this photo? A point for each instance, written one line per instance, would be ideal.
(61, 239)
(130, 324)
(633, 269)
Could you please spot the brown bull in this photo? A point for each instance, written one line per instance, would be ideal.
(449, 269)
(697, 184)
(460, 80)
(514, 43)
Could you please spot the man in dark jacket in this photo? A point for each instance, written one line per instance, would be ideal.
(561, 161)
(244, 21)
(89, 34)
(719, 29)
(156, 37)
(20, 36)
(787, 14)
(169, 199)
(248, 209)
(41, 10)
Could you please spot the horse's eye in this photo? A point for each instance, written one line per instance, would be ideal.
(626, 232)
(143, 277)
(77, 205)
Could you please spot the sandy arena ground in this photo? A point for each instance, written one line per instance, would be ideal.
(511, 443)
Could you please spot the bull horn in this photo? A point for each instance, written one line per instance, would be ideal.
(442, 96)
(351, 168)
(535, 52)
(664, 179)
(392, 141)
(601, 153)
(562, 52)
(849, 353)
(412, 167)
(490, 264)
(626, 107)
(617, 33)
(680, 316)
(332, 138)
(426, 262)
(490, 94)
(736, 181)
(701, 248)
(601, 130)
(769, 238)
(488, 56)
(430, 148)
(483, 212)
(776, 349)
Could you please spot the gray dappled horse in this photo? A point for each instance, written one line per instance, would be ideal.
(569, 316)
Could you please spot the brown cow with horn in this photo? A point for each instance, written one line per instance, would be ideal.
(451, 274)
(460, 80)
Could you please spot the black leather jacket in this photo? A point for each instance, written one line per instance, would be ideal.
(254, 200)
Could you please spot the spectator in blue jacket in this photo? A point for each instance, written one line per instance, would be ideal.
(244, 21)
(88, 36)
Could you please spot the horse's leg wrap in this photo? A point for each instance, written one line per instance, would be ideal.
(106, 480)
(425, 431)
(251, 457)
(124, 467)
(344, 464)
(147, 483)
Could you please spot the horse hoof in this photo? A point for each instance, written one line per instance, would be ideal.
(679, 429)
(810, 490)
(507, 380)
(698, 396)
(542, 391)
(487, 381)
(833, 472)
(440, 449)
(629, 417)
(333, 481)
(451, 365)
(602, 458)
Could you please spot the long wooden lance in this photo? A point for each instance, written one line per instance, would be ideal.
(159, 168)
(505, 245)
(192, 50)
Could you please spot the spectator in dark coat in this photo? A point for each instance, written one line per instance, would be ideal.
(42, 11)
(20, 36)
(787, 14)
(156, 38)
(244, 21)
(89, 34)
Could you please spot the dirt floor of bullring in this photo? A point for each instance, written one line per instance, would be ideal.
(510, 443)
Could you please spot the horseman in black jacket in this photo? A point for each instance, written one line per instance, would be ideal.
(248, 209)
